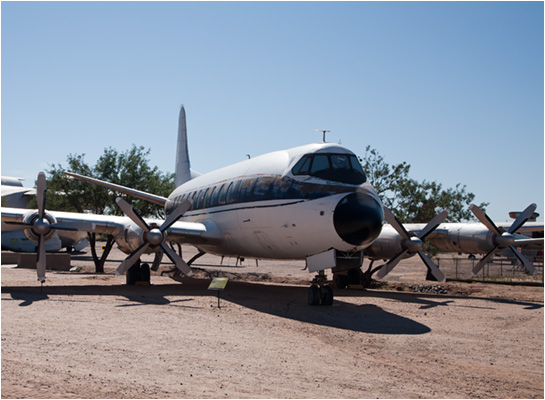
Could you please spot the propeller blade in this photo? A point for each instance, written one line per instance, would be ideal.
(434, 223)
(177, 260)
(434, 268)
(390, 265)
(392, 220)
(483, 261)
(412, 244)
(40, 194)
(484, 219)
(176, 214)
(74, 226)
(527, 264)
(41, 261)
(132, 214)
(157, 260)
(17, 223)
(522, 218)
(131, 259)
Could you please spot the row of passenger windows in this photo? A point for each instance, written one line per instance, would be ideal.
(240, 191)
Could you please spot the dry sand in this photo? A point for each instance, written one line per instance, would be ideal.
(90, 336)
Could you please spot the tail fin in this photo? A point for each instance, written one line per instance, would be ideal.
(183, 169)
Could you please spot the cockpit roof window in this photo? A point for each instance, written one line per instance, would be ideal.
(343, 168)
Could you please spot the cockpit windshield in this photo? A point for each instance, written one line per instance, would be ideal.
(343, 168)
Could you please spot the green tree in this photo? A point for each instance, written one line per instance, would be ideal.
(413, 201)
(130, 168)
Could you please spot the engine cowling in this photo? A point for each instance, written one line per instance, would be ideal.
(467, 238)
(31, 232)
(130, 239)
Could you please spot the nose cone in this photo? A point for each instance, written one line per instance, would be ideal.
(358, 219)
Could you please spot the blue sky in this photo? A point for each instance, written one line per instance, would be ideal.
(453, 88)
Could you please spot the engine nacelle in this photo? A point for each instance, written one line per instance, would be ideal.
(30, 218)
(386, 246)
(463, 238)
(132, 238)
(459, 238)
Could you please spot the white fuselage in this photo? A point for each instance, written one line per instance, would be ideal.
(264, 210)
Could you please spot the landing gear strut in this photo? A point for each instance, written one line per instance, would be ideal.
(319, 293)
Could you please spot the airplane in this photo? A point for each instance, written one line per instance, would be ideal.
(312, 202)
(15, 195)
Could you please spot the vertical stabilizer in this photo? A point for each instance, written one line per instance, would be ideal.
(183, 169)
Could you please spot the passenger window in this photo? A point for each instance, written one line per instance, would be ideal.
(213, 197)
(190, 197)
(204, 202)
(246, 190)
(197, 200)
(263, 188)
(232, 192)
(222, 195)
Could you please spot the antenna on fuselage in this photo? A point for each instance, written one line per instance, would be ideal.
(323, 132)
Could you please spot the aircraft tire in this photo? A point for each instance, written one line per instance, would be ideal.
(314, 295)
(145, 273)
(327, 298)
(132, 275)
(341, 281)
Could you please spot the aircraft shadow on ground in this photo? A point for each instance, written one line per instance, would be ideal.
(284, 301)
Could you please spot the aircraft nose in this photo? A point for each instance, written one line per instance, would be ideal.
(358, 218)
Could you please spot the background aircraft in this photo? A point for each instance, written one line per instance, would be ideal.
(16, 239)
(311, 202)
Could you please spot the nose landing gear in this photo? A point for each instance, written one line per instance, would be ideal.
(319, 293)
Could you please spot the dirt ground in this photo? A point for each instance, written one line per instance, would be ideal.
(85, 335)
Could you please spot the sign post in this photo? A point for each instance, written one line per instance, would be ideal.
(218, 284)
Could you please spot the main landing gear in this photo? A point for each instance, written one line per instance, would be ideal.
(319, 293)
(138, 274)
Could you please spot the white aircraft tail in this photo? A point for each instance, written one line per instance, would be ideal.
(183, 169)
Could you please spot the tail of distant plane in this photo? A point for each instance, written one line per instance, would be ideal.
(183, 168)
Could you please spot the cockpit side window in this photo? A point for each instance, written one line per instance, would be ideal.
(303, 165)
(356, 166)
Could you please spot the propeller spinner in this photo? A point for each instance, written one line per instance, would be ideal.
(412, 244)
(503, 240)
(154, 237)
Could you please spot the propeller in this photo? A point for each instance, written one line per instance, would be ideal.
(154, 237)
(503, 240)
(42, 227)
(412, 244)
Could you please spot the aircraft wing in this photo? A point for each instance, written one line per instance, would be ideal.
(527, 227)
(119, 227)
(10, 190)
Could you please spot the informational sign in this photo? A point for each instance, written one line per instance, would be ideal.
(218, 284)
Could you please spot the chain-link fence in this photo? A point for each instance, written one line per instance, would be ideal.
(499, 269)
